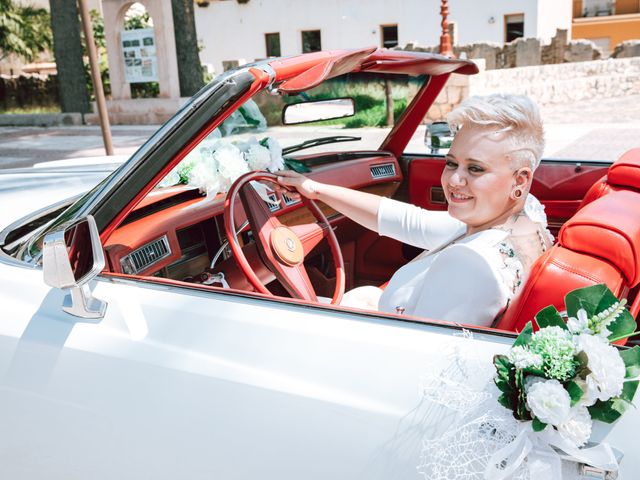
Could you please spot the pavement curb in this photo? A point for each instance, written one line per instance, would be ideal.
(41, 119)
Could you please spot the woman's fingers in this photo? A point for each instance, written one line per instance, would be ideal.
(282, 189)
(289, 177)
(304, 185)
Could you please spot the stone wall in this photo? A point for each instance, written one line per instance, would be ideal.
(545, 84)
(455, 90)
(524, 52)
(25, 91)
(564, 83)
(630, 48)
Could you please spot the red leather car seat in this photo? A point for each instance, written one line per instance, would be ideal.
(599, 244)
(624, 173)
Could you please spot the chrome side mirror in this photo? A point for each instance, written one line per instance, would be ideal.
(438, 136)
(71, 257)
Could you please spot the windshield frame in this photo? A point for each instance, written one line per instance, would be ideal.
(107, 199)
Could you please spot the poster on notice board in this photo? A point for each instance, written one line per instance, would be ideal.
(139, 51)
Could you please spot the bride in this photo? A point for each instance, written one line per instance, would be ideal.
(477, 254)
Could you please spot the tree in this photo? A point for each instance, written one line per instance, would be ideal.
(24, 31)
(189, 67)
(67, 48)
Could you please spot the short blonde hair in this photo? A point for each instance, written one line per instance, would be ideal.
(515, 115)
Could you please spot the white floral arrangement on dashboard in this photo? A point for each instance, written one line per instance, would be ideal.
(560, 379)
(217, 163)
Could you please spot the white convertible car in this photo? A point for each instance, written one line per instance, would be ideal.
(153, 328)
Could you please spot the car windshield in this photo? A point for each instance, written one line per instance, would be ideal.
(258, 123)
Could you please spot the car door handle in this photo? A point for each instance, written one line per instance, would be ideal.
(436, 195)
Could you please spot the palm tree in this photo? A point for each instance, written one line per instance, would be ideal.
(67, 49)
(189, 68)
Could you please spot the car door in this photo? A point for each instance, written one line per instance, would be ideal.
(180, 383)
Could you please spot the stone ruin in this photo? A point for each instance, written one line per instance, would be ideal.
(630, 48)
(524, 52)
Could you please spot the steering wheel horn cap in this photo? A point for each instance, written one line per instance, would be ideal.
(287, 246)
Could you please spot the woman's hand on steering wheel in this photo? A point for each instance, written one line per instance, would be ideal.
(282, 249)
(302, 185)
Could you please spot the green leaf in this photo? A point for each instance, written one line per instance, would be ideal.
(537, 425)
(623, 326)
(575, 392)
(505, 401)
(607, 412)
(582, 364)
(505, 372)
(631, 359)
(629, 390)
(296, 165)
(503, 365)
(503, 386)
(593, 299)
(612, 409)
(612, 339)
(538, 372)
(521, 397)
(525, 335)
(550, 317)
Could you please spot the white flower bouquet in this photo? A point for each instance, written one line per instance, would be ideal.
(217, 163)
(565, 376)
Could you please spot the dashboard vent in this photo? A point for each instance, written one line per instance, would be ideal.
(145, 256)
(273, 204)
(288, 200)
(383, 171)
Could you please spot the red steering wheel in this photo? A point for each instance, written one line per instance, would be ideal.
(282, 249)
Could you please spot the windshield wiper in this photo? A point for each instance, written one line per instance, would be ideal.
(319, 141)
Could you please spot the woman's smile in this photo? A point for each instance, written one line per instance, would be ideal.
(459, 197)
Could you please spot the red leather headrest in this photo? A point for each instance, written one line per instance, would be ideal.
(608, 228)
(625, 172)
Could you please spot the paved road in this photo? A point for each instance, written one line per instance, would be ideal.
(592, 130)
(25, 146)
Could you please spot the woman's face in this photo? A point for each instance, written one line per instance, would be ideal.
(478, 177)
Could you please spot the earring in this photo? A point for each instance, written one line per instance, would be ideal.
(517, 193)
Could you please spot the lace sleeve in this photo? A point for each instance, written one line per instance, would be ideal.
(511, 269)
(535, 211)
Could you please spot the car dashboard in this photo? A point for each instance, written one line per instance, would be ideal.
(176, 232)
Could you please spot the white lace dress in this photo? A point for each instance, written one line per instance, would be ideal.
(465, 279)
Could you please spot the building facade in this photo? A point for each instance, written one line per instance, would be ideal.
(233, 32)
(606, 22)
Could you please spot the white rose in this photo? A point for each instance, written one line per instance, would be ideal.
(530, 380)
(258, 157)
(605, 364)
(577, 429)
(230, 164)
(275, 150)
(204, 175)
(549, 402)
